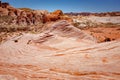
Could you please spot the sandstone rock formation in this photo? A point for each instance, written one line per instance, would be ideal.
(4, 5)
(26, 16)
(21, 16)
(58, 12)
(54, 16)
(3, 11)
(103, 14)
(62, 52)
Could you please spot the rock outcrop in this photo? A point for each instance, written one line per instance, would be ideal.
(22, 16)
(62, 52)
(54, 16)
(26, 16)
(4, 5)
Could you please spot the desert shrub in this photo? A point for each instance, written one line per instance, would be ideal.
(26, 9)
(76, 24)
(6, 19)
(109, 23)
(13, 28)
(107, 40)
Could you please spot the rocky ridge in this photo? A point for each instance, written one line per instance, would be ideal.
(26, 16)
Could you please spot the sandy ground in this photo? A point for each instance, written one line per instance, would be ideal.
(62, 52)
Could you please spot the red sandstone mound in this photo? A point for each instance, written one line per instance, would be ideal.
(65, 29)
(56, 15)
(58, 12)
(62, 52)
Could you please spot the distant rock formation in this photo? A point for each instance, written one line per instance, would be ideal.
(95, 14)
(4, 5)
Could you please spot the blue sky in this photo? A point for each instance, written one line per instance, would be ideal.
(69, 5)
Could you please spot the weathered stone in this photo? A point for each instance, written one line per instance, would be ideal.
(10, 13)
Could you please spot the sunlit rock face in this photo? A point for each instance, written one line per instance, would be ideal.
(61, 52)
(26, 16)
(21, 16)
(56, 15)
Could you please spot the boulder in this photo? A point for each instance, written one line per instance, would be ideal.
(11, 13)
(4, 5)
(58, 12)
(56, 15)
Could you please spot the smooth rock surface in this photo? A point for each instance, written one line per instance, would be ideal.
(62, 52)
